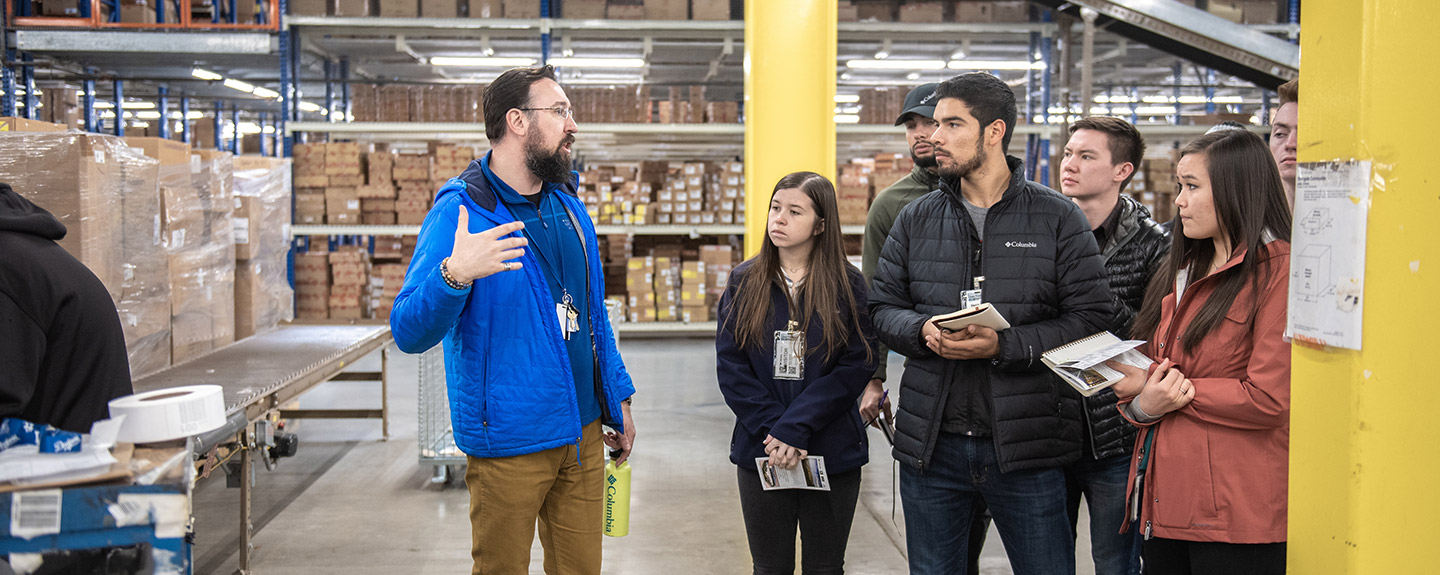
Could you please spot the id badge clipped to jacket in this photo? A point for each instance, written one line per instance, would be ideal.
(790, 353)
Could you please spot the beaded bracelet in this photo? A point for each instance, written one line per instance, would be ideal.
(449, 279)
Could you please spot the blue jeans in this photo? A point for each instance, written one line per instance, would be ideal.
(1028, 507)
(1103, 484)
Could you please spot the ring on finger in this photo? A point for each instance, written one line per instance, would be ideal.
(506, 265)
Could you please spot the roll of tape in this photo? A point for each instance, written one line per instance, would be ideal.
(166, 414)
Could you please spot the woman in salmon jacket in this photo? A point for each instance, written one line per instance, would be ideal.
(1212, 459)
(794, 350)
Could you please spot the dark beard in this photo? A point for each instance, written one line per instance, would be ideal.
(926, 162)
(552, 166)
(962, 170)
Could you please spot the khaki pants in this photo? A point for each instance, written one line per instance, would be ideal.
(508, 494)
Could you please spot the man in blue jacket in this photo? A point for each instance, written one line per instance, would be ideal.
(507, 273)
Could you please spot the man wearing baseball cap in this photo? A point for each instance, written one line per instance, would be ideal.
(918, 118)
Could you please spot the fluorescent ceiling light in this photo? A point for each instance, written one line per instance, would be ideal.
(205, 74)
(847, 119)
(995, 65)
(139, 124)
(1228, 100)
(193, 115)
(234, 84)
(150, 115)
(847, 98)
(106, 105)
(310, 107)
(1154, 110)
(597, 62)
(481, 62)
(896, 64)
(265, 92)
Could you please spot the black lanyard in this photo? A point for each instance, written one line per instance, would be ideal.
(557, 272)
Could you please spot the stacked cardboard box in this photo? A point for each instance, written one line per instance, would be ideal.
(614, 104)
(402, 103)
(263, 297)
(415, 191)
(197, 207)
(450, 159)
(1155, 186)
(312, 286)
(667, 287)
(349, 284)
(694, 295)
(881, 105)
(107, 196)
(719, 260)
(854, 190)
(385, 283)
(640, 288)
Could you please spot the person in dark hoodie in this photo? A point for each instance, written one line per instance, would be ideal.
(62, 351)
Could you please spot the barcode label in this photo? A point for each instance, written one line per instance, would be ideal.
(35, 513)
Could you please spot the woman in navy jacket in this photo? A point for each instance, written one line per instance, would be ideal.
(799, 282)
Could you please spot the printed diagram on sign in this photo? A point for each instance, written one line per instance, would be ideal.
(1312, 275)
(1316, 221)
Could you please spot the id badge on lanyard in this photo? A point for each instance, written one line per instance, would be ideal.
(790, 353)
(972, 297)
(567, 315)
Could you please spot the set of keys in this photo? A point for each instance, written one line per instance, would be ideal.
(568, 316)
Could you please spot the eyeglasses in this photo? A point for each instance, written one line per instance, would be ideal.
(565, 113)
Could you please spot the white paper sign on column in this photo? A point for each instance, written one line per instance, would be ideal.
(1327, 252)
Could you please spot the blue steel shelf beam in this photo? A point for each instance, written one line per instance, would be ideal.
(345, 89)
(185, 132)
(329, 69)
(119, 108)
(32, 103)
(219, 125)
(235, 131)
(92, 121)
(163, 102)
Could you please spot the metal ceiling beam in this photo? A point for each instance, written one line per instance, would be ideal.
(1196, 35)
(207, 42)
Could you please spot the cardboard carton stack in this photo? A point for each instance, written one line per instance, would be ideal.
(888, 169)
(694, 296)
(402, 103)
(349, 284)
(415, 191)
(263, 297)
(881, 105)
(854, 191)
(310, 182)
(1155, 186)
(640, 288)
(615, 104)
(312, 286)
(385, 283)
(343, 177)
(107, 196)
(667, 287)
(719, 260)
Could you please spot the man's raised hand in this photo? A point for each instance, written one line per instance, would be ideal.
(476, 256)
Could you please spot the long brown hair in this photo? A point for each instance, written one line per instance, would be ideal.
(1250, 209)
(825, 290)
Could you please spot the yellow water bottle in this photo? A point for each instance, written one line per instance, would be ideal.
(617, 497)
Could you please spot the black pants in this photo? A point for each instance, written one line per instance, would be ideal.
(824, 518)
(1173, 557)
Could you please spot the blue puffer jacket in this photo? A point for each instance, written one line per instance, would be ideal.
(507, 371)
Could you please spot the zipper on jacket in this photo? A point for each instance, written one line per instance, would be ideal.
(1147, 529)
(1094, 447)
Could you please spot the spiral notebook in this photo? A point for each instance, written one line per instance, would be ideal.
(1081, 363)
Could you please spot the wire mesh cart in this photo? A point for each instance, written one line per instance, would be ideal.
(437, 439)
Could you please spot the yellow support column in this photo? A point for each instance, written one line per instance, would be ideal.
(789, 99)
(1365, 426)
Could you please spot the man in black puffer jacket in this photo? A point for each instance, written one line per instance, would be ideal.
(980, 414)
(1100, 158)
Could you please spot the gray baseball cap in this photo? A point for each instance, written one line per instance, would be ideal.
(921, 101)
